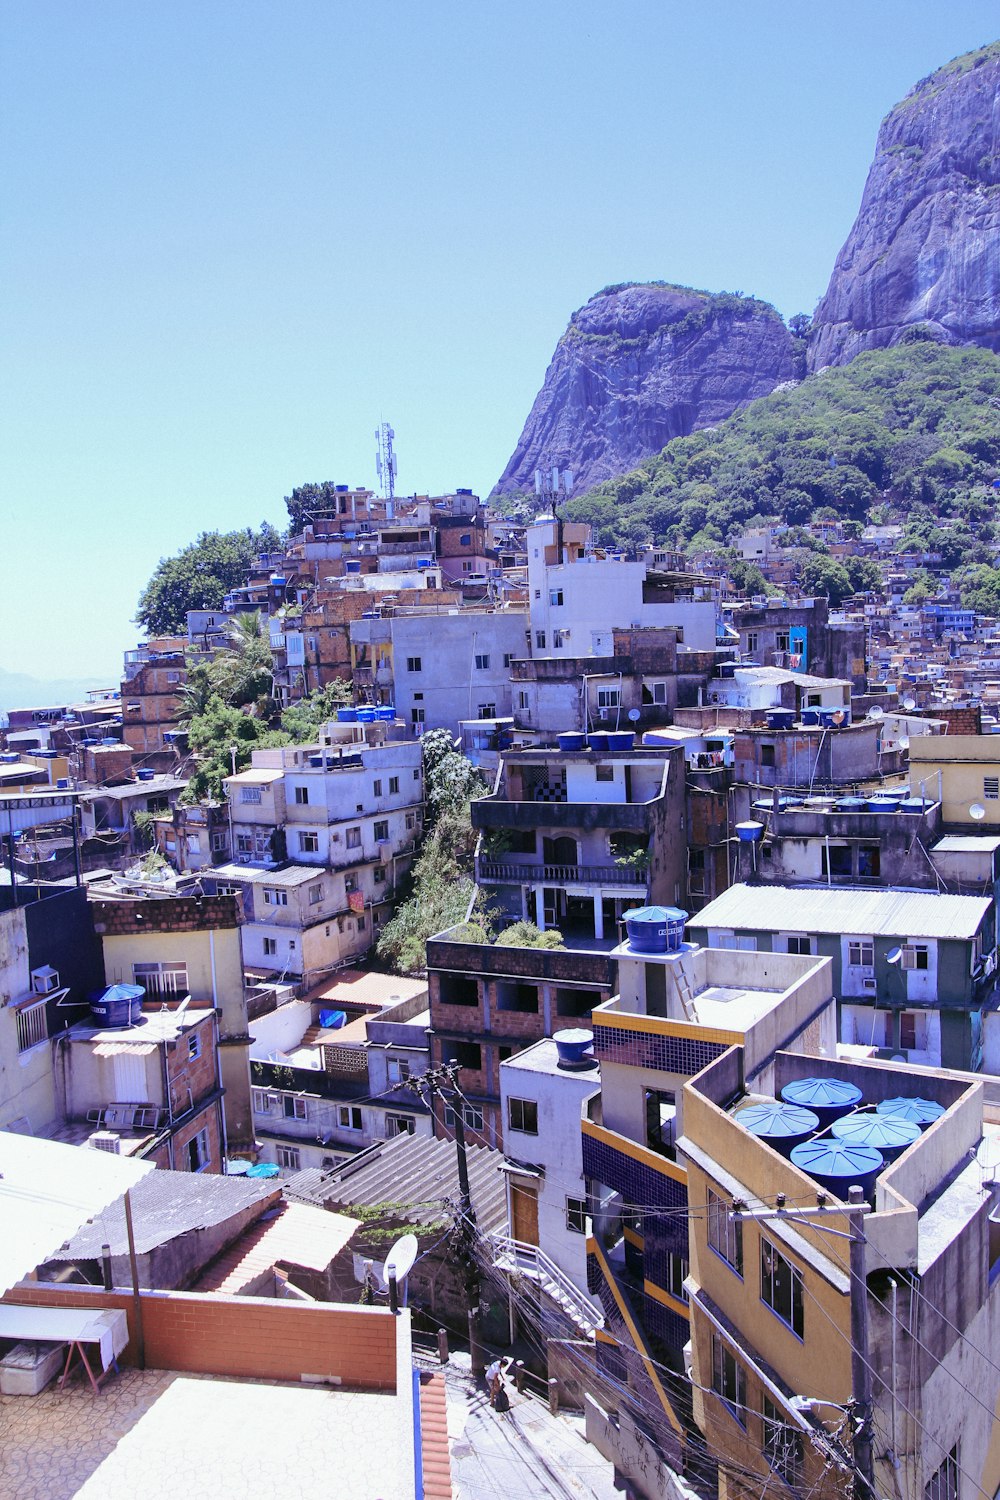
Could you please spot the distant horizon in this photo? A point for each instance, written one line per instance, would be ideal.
(238, 239)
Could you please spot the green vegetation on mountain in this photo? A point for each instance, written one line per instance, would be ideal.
(222, 739)
(200, 576)
(914, 429)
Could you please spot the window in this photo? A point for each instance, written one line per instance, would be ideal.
(991, 788)
(382, 831)
(411, 822)
(32, 1026)
(522, 699)
(781, 1287)
(466, 1054)
(782, 1446)
(604, 773)
(836, 862)
(576, 1215)
(472, 1117)
(508, 658)
(378, 874)
(362, 924)
(197, 1150)
(352, 838)
(316, 893)
(301, 795)
(658, 692)
(725, 1235)
(482, 662)
(161, 979)
(555, 598)
(249, 793)
(349, 1117)
(194, 1045)
(609, 697)
(487, 710)
(943, 1483)
(801, 945)
(916, 956)
(522, 1114)
(414, 664)
(259, 1101)
(288, 1157)
(274, 897)
(729, 1379)
(393, 786)
(270, 947)
(677, 1270)
(218, 843)
(540, 639)
(399, 1125)
(376, 788)
(294, 1108)
(557, 639)
(752, 640)
(244, 843)
(782, 640)
(767, 755)
(416, 774)
(417, 716)
(398, 1069)
(861, 953)
(869, 861)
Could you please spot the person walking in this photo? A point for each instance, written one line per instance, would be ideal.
(495, 1380)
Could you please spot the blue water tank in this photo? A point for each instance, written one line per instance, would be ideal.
(423, 562)
(117, 1005)
(913, 804)
(749, 832)
(386, 714)
(366, 716)
(598, 740)
(782, 1126)
(620, 739)
(655, 929)
(851, 804)
(828, 1097)
(62, 783)
(575, 1047)
(920, 1111)
(145, 774)
(237, 1168)
(838, 1166)
(889, 1134)
(571, 741)
(333, 1019)
(352, 565)
(881, 804)
(780, 718)
(262, 1169)
(278, 581)
(347, 716)
(810, 716)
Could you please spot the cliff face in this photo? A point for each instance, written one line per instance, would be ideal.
(639, 365)
(925, 248)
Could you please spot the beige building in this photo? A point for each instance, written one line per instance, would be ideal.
(963, 772)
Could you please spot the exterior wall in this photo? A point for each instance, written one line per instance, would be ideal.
(26, 1085)
(151, 698)
(963, 767)
(800, 758)
(450, 685)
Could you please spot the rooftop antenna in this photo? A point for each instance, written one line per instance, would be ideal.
(385, 460)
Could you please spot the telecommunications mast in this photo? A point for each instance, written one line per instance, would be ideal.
(385, 460)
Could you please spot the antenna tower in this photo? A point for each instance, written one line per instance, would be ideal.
(385, 460)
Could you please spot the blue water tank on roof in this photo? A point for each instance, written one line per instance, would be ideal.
(921, 1111)
(890, 1134)
(782, 1126)
(571, 740)
(828, 1097)
(838, 1166)
(655, 929)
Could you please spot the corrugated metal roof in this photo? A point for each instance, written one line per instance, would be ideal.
(123, 1049)
(254, 778)
(960, 843)
(829, 909)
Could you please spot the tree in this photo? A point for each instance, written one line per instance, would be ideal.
(243, 672)
(302, 720)
(923, 587)
(200, 576)
(307, 499)
(196, 692)
(864, 573)
(821, 575)
(223, 738)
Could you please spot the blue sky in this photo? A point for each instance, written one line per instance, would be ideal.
(239, 232)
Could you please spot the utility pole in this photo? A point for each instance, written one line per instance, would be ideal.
(442, 1083)
(861, 1376)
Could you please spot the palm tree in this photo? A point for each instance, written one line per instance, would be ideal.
(243, 671)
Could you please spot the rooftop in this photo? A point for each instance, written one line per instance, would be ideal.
(135, 789)
(165, 1205)
(543, 1057)
(291, 875)
(836, 910)
(298, 1234)
(155, 1027)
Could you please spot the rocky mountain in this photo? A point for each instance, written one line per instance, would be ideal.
(638, 365)
(925, 248)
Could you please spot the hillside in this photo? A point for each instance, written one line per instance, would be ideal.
(639, 364)
(917, 426)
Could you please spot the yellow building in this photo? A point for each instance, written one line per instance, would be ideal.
(962, 771)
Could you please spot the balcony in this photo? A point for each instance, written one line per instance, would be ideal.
(496, 812)
(504, 872)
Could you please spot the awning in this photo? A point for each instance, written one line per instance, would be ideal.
(124, 1049)
(47, 1191)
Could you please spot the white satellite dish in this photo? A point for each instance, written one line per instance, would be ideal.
(399, 1263)
(904, 743)
(977, 811)
(839, 716)
(875, 712)
(909, 704)
(894, 956)
(634, 715)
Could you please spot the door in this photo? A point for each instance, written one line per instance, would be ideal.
(524, 1212)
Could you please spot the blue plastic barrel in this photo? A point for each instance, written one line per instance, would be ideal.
(830, 1098)
(810, 716)
(386, 714)
(783, 1126)
(571, 741)
(780, 718)
(851, 804)
(347, 716)
(598, 740)
(749, 832)
(921, 1111)
(890, 1134)
(838, 1166)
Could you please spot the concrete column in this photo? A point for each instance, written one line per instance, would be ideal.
(598, 917)
(540, 907)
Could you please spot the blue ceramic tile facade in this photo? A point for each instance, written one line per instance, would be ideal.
(636, 1182)
(645, 1049)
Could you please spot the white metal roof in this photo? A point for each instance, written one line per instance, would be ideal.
(47, 1192)
(833, 909)
(961, 843)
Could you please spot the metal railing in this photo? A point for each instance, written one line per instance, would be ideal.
(505, 871)
(531, 1260)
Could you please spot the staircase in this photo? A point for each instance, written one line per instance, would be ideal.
(517, 1258)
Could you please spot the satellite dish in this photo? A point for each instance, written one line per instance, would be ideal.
(904, 743)
(399, 1263)
(634, 715)
(977, 811)
(894, 956)
(876, 713)
(838, 717)
(909, 704)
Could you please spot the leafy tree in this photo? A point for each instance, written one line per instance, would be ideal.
(306, 499)
(980, 588)
(243, 672)
(196, 691)
(822, 575)
(200, 576)
(746, 578)
(222, 739)
(923, 587)
(864, 573)
(302, 720)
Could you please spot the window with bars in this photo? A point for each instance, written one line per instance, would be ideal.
(32, 1026)
(161, 979)
(249, 793)
(782, 1446)
(991, 788)
(944, 1482)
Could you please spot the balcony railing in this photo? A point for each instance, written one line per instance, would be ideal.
(505, 872)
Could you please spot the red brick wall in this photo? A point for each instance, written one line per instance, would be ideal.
(174, 914)
(256, 1337)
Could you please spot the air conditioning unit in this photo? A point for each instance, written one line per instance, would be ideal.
(105, 1140)
(44, 980)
